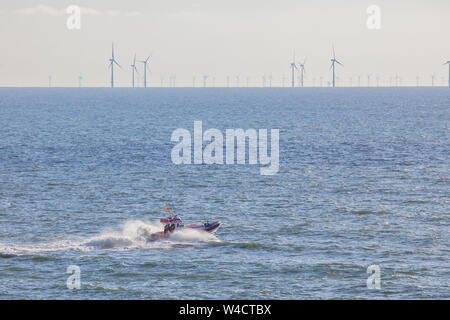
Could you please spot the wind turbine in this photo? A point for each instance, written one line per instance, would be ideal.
(80, 78)
(205, 78)
(333, 61)
(133, 67)
(145, 70)
(293, 67)
(448, 62)
(302, 72)
(113, 61)
(173, 79)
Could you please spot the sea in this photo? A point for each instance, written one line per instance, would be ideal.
(359, 208)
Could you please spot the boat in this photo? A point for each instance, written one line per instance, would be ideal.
(173, 224)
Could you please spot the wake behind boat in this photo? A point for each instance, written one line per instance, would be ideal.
(173, 224)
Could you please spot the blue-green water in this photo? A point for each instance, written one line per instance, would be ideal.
(363, 180)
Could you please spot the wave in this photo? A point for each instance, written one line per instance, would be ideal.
(5, 204)
(133, 234)
(241, 245)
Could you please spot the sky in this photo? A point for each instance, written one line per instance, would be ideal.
(249, 39)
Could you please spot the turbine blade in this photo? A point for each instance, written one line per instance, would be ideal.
(117, 63)
(334, 54)
(339, 63)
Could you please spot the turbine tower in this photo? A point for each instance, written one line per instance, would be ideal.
(302, 72)
(113, 61)
(448, 62)
(80, 78)
(333, 61)
(133, 68)
(293, 67)
(145, 70)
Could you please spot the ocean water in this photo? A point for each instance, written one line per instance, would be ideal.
(363, 180)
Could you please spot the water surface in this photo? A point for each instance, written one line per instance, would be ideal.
(363, 180)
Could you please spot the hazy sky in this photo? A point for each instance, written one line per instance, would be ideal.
(250, 38)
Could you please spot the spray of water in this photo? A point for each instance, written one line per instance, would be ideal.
(133, 234)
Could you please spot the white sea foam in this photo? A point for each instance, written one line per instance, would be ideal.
(133, 234)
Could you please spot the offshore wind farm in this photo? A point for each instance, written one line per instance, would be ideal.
(297, 70)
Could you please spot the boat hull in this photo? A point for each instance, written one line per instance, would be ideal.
(210, 227)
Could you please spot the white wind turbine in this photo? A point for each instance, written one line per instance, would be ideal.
(293, 68)
(302, 72)
(145, 62)
(133, 69)
(113, 61)
(448, 62)
(333, 61)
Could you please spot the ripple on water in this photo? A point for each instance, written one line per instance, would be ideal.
(236, 244)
